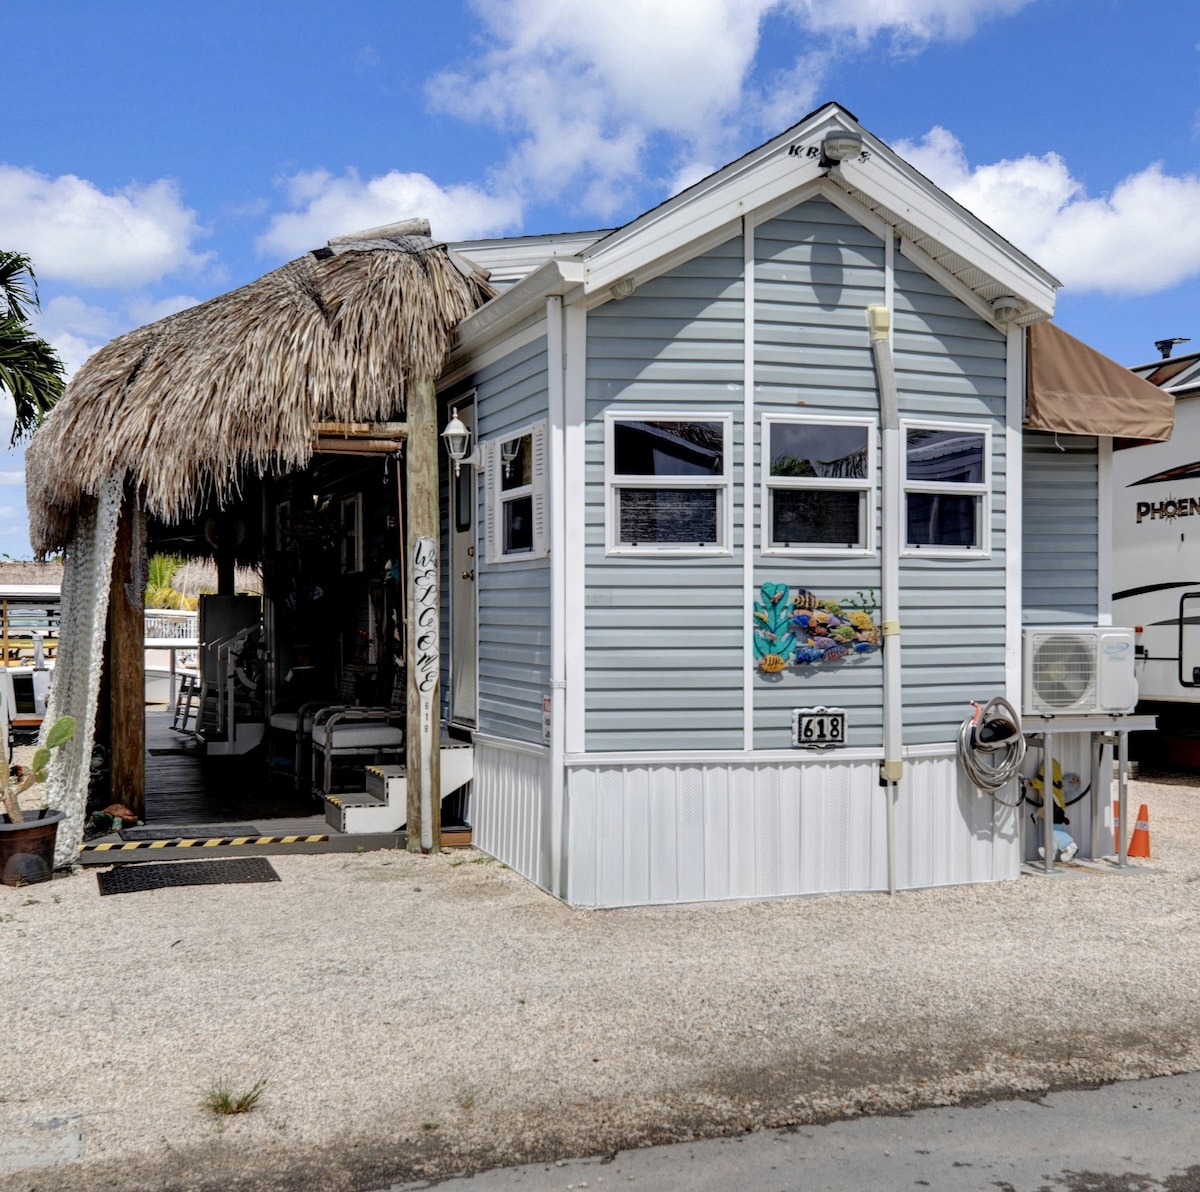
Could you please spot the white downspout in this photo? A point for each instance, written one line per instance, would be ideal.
(892, 491)
(557, 401)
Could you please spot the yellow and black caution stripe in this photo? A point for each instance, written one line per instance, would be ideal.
(198, 842)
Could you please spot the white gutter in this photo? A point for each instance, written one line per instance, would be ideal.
(524, 301)
(891, 770)
(556, 365)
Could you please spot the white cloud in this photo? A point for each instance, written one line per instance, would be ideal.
(12, 478)
(907, 21)
(75, 328)
(144, 310)
(77, 233)
(331, 206)
(597, 96)
(1142, 237)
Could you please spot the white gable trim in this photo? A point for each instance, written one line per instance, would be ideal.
(782, 171)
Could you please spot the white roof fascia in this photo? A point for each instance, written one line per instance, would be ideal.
(515, 338)
(509, 259)
(781, 170)
(661, 264)
(885, 179)
(675, 226)
(513, 306)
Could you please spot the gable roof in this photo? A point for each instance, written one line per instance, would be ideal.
(878, 187)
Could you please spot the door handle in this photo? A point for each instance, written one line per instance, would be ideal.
(469, 574)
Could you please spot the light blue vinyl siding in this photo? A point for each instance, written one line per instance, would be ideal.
(1060, 562)
(514, 597)
(664, 637)
(816, 271)
(950, 366)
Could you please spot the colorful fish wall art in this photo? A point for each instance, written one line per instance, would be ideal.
(801, 629)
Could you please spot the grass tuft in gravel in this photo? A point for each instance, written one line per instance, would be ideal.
(220, 1100)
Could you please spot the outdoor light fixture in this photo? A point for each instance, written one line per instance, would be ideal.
(509, 450)
(1006, 308)
(837, 147)
(623, 286)
(457, 438)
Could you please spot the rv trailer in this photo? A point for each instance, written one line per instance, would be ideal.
(1156, 543)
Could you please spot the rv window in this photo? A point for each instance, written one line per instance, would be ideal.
(668, 483)
(946, 477)
(818, 485)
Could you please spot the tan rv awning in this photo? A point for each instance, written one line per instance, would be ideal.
(1076, 390)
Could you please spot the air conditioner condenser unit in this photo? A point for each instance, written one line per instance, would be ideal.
(1078, 671)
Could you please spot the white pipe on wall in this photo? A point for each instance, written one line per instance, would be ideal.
(892, 491)
(556, 370)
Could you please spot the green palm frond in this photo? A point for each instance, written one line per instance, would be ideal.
(31, 373)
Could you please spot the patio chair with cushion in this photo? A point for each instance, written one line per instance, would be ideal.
(360, 736)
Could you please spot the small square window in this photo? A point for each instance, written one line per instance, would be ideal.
(516, 495)
(668, 483)
(946, 483)
(819, 485)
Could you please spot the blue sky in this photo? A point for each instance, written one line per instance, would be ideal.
(158, 154)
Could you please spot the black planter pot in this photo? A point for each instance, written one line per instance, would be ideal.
(27, 848)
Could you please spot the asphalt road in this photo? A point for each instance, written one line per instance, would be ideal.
(1136, 1136)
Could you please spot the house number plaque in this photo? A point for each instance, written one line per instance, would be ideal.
(818, 728)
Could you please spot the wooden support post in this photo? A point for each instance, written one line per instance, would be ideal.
(127, 659)
(423, 654)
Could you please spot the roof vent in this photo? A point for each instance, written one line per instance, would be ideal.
(1165, 345)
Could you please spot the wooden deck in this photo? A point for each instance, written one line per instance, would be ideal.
(216, 799)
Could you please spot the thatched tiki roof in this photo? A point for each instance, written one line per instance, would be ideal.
(186, 405)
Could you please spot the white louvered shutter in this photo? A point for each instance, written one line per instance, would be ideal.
(540, 475)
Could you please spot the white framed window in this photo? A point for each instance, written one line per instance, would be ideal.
(818, 485)
(947, 489)
(668, 479)
(516, 476)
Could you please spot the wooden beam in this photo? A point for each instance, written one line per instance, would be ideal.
(126, 660)
(423, 653)
(406, 227)
(368, 430)
(325, 445)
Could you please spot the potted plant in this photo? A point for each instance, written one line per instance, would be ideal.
(27, 838)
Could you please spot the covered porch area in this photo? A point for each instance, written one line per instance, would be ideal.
(290, 425)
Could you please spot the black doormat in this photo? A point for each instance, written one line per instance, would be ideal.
(175, 751)
(189, 831)
(129, 879)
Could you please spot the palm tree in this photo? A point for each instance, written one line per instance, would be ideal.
(30, 370)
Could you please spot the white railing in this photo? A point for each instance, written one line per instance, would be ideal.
(170, 623)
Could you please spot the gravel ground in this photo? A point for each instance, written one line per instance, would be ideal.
(416, 1016)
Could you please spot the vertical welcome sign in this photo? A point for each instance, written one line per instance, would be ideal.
(425, 663)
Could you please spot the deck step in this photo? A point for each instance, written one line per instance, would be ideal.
(383, 806)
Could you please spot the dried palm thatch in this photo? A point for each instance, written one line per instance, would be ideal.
(186, 405)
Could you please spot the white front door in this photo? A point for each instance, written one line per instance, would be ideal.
(463, 543)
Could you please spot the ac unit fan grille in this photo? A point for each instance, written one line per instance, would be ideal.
(1064, 671)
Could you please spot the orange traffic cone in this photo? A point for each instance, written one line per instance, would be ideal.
(1139, 842)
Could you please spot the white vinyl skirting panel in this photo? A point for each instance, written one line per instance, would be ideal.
(510, 807)
(665, 833)
(679, 833)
